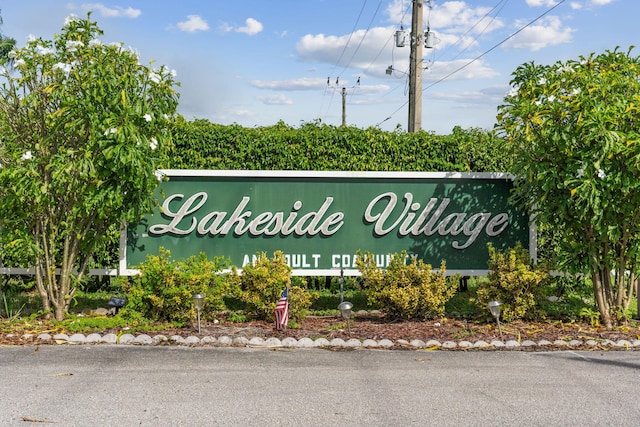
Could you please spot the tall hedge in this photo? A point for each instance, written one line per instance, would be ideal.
(200, 144)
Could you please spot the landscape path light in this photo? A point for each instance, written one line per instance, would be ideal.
(198, 300)
(495, 307)
(116, 304)
(345, 311)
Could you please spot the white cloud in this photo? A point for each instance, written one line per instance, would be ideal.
(454, 23)
(328, 49)
(370, 89)
(483, 96)
(576, 5)
(548, 32)
(547, 3)
(397, 10)
(449, 16)
(321, 48)
(251, 27)
(192, 24)
(460, 69)
(443, 40)
(304, 83)
(362, 48)
(278, 99)
(114, 12)
(459, 17)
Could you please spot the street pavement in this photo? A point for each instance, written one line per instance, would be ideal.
(124, 385)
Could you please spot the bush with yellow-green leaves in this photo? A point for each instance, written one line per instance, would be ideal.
(164, 288)
(406, 290)
(261, 284)
(515, 282)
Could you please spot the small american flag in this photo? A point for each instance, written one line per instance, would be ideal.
(282, 311)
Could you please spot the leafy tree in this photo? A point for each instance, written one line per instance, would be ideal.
(574, 128)
(82, 127)
(6, 44)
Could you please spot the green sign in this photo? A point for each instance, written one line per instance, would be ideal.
(320, 220)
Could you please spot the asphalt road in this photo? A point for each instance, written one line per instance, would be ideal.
(117, 385)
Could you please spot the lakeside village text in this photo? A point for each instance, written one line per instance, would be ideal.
(384, 213)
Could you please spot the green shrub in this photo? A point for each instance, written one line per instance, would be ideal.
(406, 291)
(514, 282)
(261, 284)
(163, 290)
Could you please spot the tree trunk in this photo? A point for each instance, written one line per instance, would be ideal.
(630, 286)
(40, 285)
(601, 300)
(60, 312)
(637, 286)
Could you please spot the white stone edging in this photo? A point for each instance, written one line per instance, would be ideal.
(290, 342)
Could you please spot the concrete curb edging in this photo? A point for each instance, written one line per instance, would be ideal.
(290, 342)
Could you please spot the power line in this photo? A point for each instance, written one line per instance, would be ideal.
(494, 46)
(404, 13)
(355, 25)
(479, 56)
(356, 49)
(475, 25)
(481, 32)
(363, 37)
(344, 95)
(344, 49)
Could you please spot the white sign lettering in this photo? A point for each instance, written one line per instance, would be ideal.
(414, 219)
(241, 221)
(428, 221)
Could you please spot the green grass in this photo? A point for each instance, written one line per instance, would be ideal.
(75, 324)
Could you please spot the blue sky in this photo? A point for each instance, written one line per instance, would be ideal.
(257, 62)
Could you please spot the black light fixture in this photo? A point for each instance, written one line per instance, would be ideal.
(116, 304)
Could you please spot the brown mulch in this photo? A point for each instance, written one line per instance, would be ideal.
(376, 327)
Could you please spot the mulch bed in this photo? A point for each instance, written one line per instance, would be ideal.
(377, 327)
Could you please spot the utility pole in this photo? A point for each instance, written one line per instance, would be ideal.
(415, 69)
(344, 96)
(344, 106)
